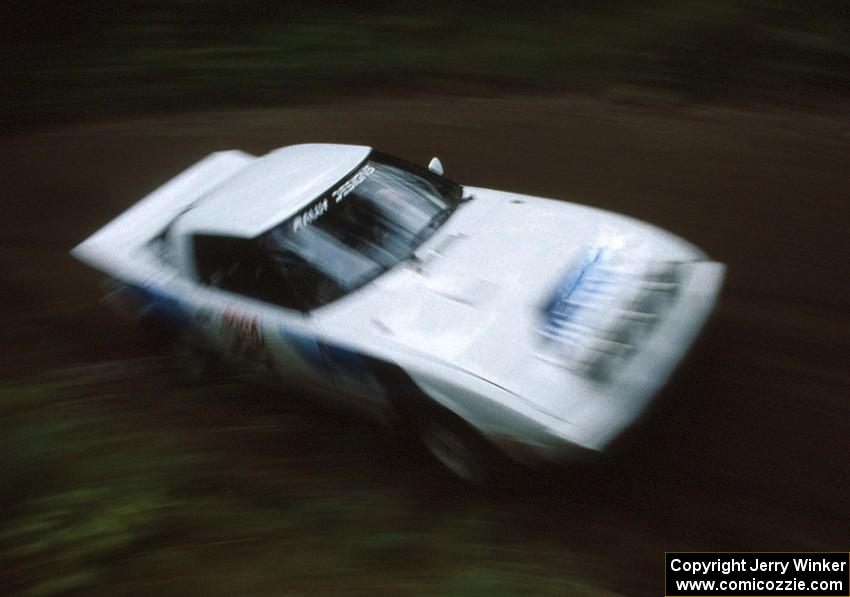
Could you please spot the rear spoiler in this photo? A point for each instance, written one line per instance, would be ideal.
(118, 249)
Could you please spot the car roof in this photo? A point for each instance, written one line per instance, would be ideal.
(270, 189)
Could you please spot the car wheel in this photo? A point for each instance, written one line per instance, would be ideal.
(456, 447)
(447, 438)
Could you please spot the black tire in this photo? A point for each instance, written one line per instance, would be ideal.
(444, 436)
(456, 446)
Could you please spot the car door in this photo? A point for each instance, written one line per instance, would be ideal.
(361, 378)
(234, 309)
(264, 338)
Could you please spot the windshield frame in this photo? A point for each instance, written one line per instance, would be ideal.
(281, 236)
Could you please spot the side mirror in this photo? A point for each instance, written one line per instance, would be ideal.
(436, 166)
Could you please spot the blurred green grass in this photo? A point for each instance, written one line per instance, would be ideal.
(219, 497)
(89, 59)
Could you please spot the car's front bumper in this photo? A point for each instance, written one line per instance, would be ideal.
(617, 404)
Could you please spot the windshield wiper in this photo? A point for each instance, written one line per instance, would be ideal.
(434, 222)
(439, 218)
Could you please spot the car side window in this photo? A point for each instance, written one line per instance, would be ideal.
(238, 265)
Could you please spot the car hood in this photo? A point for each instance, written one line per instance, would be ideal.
(476, 294)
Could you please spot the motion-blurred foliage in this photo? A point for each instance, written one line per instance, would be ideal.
(87, 58)
(212, 499)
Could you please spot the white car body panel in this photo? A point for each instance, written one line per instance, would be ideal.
(462, 321)
(118, 249)
(271, 189)
(475, 301)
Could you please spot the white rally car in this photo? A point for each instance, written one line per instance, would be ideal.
(489, 322)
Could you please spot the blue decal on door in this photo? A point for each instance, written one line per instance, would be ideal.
(307, 348)
(343, 365)
(155, 305)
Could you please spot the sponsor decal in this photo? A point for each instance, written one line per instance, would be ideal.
(352, 183)
(243, 332)
(560, 310)
(311, 215)
(320, 208)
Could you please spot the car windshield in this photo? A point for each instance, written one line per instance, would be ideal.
(370, 222)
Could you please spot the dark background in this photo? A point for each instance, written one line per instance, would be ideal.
(725, 122)
(90, 58)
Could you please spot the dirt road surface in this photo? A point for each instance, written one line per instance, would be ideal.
(751, 452)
